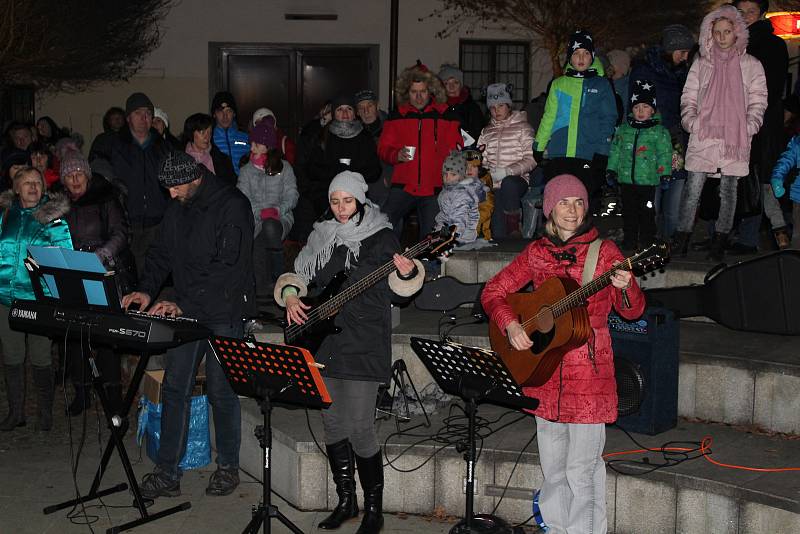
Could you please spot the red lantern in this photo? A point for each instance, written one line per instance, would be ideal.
(786, 24)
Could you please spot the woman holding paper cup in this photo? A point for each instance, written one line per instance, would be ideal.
(344, 145)
(509, 156)
(28, 216)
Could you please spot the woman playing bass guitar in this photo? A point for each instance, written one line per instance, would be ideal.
(353, 235)
(581, 396)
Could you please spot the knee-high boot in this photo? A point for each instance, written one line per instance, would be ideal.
(15, 390)
(370, 471)
(43, 378)
(342, 463)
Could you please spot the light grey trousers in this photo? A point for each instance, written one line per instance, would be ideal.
(691, 200)
(573, 497)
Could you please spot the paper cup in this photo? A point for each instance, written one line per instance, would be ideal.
(412, 150)
(344, 161)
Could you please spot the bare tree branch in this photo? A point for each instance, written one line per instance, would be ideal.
(70, 45)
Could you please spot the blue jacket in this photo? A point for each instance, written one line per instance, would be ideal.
(789, 161)
(233, 142)
(579, 117)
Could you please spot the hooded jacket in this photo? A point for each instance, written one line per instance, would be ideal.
(578, 391)
(458, 205)
(265, 191)
(206, 244)
(641, 155)
(706, 155)
(579, 116)
(42, 225)
(233, 142)
(432, 129)
(509, 144)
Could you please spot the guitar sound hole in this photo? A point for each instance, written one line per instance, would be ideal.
(541, 339)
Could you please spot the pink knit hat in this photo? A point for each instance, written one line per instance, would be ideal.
(563, 186)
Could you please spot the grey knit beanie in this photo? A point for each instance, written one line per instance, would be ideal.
(178, 168)
(451, 71)
(498, 93)
(456, 163)
(349, 182)
(677, 37)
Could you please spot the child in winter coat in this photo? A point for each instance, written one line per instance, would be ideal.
(722, 107)
(579, 119)
(789, 161)
(459, 198)
(640, 157)
(269, 183)
(476, 170)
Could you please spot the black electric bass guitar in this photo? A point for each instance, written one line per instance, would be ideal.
(320, 323)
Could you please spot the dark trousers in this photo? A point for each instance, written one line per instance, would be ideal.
(176, 394)
(400, 203)
(638, 214)
(506, 202)
(268, 255)
(141, 238)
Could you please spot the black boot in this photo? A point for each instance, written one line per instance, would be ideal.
(43, 378)
(718, 242)
(82, 400)
(680, 243)
(370, 471)
(15, 389)
(342, 462)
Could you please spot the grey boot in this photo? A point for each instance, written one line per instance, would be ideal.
(43, 379)
(15, 390)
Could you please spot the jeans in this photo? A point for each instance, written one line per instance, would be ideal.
(507, 201)
(268, 255)
(399, 203)
(749, 226)
(352, 415)
(573, 495)
(176, 394)
(668, 207)
(691, 200)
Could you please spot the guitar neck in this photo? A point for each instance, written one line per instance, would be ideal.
(579, 297)
(335, 303)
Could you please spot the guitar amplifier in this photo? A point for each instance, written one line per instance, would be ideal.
(646, 362)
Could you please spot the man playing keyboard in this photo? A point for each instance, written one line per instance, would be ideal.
(205, 242)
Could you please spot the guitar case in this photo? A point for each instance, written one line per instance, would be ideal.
(757, 295)
(447, 293)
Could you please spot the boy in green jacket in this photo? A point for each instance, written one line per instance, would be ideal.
(640, 158)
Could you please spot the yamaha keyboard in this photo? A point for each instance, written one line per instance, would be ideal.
(136, 331)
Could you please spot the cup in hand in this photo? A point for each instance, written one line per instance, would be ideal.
(411, 151)
(344, 161)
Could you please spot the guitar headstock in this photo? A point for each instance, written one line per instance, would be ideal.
(440, 243)
(649, 259)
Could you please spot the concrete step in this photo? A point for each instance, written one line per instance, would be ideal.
(725, 376)
(427, 477)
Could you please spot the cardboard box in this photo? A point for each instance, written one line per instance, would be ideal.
(151, 385)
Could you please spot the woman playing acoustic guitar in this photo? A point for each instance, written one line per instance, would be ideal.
(581, 396)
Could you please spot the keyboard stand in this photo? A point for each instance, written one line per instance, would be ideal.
(118, 430)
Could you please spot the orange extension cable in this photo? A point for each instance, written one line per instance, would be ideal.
(705, 451)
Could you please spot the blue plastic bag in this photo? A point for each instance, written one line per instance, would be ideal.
(198, 439)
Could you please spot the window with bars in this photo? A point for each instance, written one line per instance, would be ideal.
(486, 62)
(17, 104)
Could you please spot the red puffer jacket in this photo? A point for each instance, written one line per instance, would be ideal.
(434, 133)
(578, 392)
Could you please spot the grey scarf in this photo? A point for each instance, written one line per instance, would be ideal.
(345, 129)
(328, 235)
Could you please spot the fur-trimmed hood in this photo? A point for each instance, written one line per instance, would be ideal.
(739, 27)
(422, 74)
(52, 206)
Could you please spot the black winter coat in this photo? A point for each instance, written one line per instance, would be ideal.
(136, 171)
(207, 246)
(469, 114)
(223, 167)
(770, 50)
(323, 163)
(362, 350)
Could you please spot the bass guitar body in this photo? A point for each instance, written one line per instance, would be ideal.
(553, 335)
(311, 335)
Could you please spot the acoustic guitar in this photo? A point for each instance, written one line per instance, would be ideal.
(332, 298)
(556, 318)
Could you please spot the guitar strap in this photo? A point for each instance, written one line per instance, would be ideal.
(590, 264)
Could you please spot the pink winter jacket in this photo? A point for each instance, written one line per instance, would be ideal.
(509, 144)
(706, 155)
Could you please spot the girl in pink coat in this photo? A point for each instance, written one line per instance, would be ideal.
(581, 396)
(722, 107)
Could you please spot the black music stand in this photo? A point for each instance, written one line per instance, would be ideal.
(477, 376)
(77, 288)
(270, 373)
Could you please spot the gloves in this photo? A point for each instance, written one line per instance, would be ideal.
(538, 156)
(666, 178)
(270, 213)
(611, 178)
(777, 187)
(498, 173)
